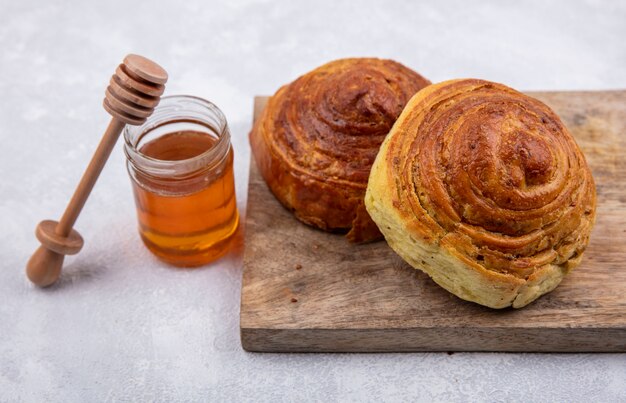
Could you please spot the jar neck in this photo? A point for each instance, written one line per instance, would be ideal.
(175, 114)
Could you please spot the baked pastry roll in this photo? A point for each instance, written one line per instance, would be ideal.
(317, 138)
(485, 190)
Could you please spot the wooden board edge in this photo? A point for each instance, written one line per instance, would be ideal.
(259, 104)
(581, 340)
(261, 100)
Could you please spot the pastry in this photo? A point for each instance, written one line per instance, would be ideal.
(485, 190)
(317, 138)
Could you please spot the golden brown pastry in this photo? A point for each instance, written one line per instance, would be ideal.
(485, 190)
(317, 138)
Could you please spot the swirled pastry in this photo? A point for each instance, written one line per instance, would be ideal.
(316, 140)
(485, 190)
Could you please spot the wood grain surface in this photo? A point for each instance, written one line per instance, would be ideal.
(310, 291)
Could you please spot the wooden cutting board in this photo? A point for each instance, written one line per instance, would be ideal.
(307, 290)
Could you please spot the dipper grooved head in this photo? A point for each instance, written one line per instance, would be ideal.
(134, 90)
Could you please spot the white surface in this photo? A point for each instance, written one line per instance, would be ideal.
(122, 326)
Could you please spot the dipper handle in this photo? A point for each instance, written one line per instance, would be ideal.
(133, 93)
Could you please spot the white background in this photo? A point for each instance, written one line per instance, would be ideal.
(122, 326)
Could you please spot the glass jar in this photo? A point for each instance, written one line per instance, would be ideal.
(180, 162)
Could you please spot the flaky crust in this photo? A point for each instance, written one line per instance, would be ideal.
(317, 138)
(484, 189)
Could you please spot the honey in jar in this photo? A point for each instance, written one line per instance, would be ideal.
(181, 167)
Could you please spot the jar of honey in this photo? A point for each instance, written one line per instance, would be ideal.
(180, 162)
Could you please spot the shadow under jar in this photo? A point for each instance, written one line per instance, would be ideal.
(180, 162)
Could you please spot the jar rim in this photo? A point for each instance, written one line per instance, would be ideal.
(179, 109)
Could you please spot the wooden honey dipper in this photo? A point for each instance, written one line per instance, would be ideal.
(133, 93)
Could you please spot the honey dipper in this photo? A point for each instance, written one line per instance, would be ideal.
(133, 93)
